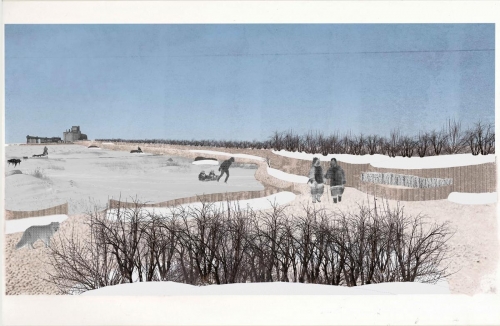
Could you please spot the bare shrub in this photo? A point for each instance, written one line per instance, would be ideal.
(276, 141)
(450, 139)
(422, 144)
(393, 143)
(481, 139)
(373, 144)
(454, 137)
(438, 140)
(359, 145)
(209, 244)
(40, 174)
(407, 146)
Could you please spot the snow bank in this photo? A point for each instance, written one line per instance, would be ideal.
(347, 158)
(206, 162)
(398, 162)
(434, 162)
(287, 176)
(20, 225)
(252, 157)
(473, 198)
(280, 198)
(270, 288)
(107, 143)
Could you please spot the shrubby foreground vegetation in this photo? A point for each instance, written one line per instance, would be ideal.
(450, 139)
(209, 245)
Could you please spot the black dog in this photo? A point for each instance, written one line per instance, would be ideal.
(14, 161)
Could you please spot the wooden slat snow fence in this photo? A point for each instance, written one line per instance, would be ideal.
(469, 179)
(478, 178)
(217, 197)
(14, 215)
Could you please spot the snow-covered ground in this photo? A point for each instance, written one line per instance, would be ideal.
(20, 225)
(271, 288)
(75, 173)
(378, 160)
(206, 162)
(398, 162)
(287, 176)
(347, 158)
(252, 157)
(280, 198)
(472, 198)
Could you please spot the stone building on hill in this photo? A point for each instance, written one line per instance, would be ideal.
(73, 134)
(42, 140)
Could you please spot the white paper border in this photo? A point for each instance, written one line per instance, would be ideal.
(267, 310)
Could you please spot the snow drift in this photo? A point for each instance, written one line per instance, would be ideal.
(252, 157)
(270, 288)
(20, 225)
(206, 162)
(472, 198)
(398, 162)
(280, 198)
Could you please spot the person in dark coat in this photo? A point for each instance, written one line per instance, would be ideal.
(316, 181)
(224, 168)
(336, 176)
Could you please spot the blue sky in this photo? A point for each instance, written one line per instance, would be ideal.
(242, 82)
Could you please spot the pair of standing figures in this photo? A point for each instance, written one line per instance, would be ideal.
(335, 175)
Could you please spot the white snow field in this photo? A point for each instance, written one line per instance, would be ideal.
(287, 176)
(378, 160)
(75, 174)
(281, 198)
(473, 198)
(252, 157)
(20, 225)
(270, 288)
(206, 162)
(398, 162)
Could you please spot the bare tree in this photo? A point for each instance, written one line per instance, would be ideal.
(422, 144)
(373, 144)
(407, 146)
(359, 145)
(202, 235)
(212, 245)
(394, 142)
(454, 137)
(420, 248)
(234, 243)
(276, 141)
(489, 141)
(437, 140)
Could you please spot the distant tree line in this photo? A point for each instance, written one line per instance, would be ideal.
(209, 245)
(450, 139)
